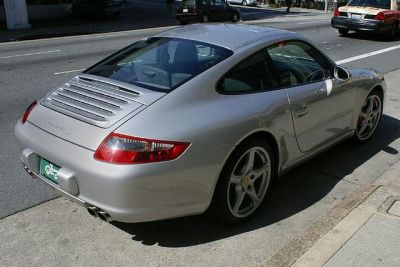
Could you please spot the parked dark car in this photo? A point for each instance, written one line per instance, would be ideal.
(206, 10)
(96, 8)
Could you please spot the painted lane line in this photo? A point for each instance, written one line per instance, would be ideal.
(307, 22)
(105, 36)
(347, 60)
(343, 61)
(32, 54)
(67, 71)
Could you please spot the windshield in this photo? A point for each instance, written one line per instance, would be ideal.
(160, 64)
(385, 4)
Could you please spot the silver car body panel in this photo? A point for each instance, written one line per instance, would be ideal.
(215, 124)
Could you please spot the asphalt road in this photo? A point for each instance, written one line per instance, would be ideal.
(32, 68)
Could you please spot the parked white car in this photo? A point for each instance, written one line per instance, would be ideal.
(244, 2)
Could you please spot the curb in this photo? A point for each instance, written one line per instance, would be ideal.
(326, 247)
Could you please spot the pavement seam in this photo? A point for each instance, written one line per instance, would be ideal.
(349, 238)
(299, 245)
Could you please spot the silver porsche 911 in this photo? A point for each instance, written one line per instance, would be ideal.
(195, 118)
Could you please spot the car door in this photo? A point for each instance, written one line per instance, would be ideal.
(321, 106)
(215, 10)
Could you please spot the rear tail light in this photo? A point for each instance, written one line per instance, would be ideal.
(28, 111)
(124, 149)
(380, 16)
(336, 13)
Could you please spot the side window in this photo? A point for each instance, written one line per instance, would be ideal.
(398, 5)
(251, 75)
(216, 2)
(296, 62)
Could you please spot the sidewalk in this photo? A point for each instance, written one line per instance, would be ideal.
(127, 21)
(370, 234)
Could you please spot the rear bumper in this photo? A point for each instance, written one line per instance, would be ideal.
(129, 193)
(188, 16)
(360, 25)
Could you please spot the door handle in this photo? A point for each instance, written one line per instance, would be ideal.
(301, 111)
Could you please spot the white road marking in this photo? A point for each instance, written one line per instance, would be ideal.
(347, 60)
(105, 36)
(67, 71)
(308, 22)
(31, 54)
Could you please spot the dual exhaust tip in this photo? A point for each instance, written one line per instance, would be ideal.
(96, 212)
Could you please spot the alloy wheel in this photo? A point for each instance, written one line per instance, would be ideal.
(235, 17)
(249, 182)
(369, 117)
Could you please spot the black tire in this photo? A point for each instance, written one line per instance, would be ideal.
(182, 22)
(204, 18)
(361, 135)
(343, 32)
(235, 17)
(221, 206)
(392, 34)
(244, 3)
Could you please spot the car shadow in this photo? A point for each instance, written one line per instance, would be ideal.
(371, 37)
(295, 192)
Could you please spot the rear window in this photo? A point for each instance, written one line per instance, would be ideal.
(385, 4)
(188, 2)
(160, 64)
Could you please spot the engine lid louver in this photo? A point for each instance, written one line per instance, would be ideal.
(93, 101)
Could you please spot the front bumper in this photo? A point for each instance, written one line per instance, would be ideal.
(360, 25)
(129, 193)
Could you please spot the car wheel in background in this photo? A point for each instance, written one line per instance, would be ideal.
(244, 3)
(204, 18)
(343, 32)
(369, 117)
(244, 182)
(235, 17)
(392, 34)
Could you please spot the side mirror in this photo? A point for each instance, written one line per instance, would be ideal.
(341, 73)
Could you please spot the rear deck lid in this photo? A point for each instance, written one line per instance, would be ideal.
(88, 108)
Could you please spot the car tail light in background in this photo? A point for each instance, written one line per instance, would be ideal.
(336, 13)
(28, 111)
(380, 16)
(124, 149)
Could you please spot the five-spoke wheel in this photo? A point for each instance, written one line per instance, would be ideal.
(369, 117)
(244, 181)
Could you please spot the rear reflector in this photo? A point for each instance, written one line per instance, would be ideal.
(28, 111)
(380, 16)
(124, 149)
(336, 13)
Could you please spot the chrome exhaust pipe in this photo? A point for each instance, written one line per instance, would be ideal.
(93, 211)
(104, 216)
